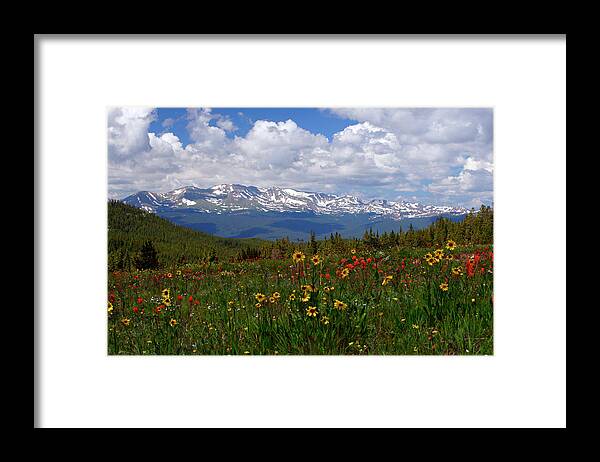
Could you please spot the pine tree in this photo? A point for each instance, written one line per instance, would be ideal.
(314, 246)
(147, 257)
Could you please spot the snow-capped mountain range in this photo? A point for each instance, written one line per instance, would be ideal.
(224, 198)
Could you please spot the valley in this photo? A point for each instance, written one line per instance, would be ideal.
(238, 211)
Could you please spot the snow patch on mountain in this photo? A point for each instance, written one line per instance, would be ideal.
(225, 198)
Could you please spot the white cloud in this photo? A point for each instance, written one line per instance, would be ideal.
(226, 124)
(474, 164)
(128, 130)
(205, 136)
(451, 125)
(278, 145)
(472, 187)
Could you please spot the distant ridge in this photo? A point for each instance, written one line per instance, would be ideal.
(224, 198)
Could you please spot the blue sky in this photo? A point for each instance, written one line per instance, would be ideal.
(437, 156)
(317, 121)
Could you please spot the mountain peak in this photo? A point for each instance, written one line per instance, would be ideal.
(224, 198)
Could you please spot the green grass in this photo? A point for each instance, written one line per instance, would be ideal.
(410, 315)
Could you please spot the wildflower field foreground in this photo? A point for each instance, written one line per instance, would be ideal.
(400, 302)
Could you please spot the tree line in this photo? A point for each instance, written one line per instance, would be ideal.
(142, 240)
(477, 228)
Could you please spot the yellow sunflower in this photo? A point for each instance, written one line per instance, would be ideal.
(450, 245)
(444, 286)
(312, 311)
(316, 259)
(298, 257)
(260, 297)
(339, 305)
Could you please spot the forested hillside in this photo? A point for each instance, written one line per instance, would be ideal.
(476, 228)
(130, 228)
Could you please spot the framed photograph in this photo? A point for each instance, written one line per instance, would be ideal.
(332, 231)
(278, 223)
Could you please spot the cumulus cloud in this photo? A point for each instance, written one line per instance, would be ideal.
(472, 187)
(128, 131)
(433, 145)
(278, 145)
(443, 125)
(432, 155)
(205, 136)
(226, 124)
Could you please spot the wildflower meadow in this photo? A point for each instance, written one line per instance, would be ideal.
(423, 301)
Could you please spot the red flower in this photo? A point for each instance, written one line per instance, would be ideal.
(470, 268)
(327, 276)
(136, 309)
(179, 297)
(140, 300)
(191, 299)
